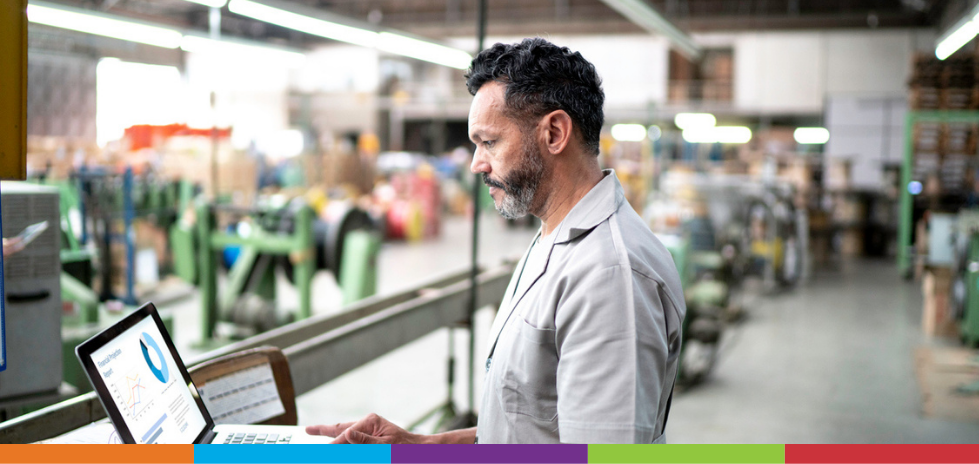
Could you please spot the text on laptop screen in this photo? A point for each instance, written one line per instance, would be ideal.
(147, 387)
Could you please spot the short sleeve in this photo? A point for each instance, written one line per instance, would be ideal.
(612, 347)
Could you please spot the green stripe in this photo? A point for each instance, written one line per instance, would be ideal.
(686, 454)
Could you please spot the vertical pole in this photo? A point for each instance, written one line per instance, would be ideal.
(13, 97)
(214, 26)
(83, 194)
(304, 260)
(207, 272)
(904, 226)
(476, 191)
(128, 215)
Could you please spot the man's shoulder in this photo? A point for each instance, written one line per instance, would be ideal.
(625, 241)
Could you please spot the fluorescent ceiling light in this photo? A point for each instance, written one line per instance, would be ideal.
(196, 44)
(424, 50)
(290, 20)
(732, 134)
(98, 24)
(811, 135)
(694, 120)
(390, 42)
(720, 134)
(957, 39)
(654, 133)
(210, 3)
(628, 132)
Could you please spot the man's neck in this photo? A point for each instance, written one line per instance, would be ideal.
(569, 187)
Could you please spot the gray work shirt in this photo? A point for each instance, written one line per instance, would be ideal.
(587, 339)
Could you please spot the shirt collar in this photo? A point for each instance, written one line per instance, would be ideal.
(596, 206)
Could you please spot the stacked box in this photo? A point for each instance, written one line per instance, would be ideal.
(944, 154)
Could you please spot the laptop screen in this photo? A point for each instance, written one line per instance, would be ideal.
(147, 387)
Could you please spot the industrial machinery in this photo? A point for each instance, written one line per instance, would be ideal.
(775, 236)
(33, 294)
(108, 204)
(254, 242)
(965, 283)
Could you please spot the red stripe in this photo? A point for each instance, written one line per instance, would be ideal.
(898, 454)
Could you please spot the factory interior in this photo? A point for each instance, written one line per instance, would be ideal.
(289, 183)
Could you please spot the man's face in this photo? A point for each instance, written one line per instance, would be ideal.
(508, 158)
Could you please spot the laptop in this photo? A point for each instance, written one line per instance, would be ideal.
(149, 396)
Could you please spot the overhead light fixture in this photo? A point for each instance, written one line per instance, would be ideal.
(387, 41)
(811, 135)
(694, 120)
(960, 36)
(197, 44)
(719, 134)
(423, 50)
(629, 132)
(646, 17)
(210, 3)
(302, 23)
(732, 134)
(956, 40)
(80, 20)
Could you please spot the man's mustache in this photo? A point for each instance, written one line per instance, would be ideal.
(493, 183)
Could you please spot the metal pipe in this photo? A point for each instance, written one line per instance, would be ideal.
(315, 356)
(477, 188)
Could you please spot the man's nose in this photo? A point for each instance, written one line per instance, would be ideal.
(479, 164)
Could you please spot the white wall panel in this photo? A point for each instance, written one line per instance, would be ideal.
(859, 62)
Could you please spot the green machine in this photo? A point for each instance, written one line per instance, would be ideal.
(253, 242)
(90, 316)
(705, 297)
(965, 289)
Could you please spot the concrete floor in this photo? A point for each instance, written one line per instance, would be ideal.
(828, 362)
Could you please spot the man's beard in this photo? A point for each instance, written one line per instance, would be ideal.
(520, 185)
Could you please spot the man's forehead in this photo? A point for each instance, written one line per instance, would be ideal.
(487, 105)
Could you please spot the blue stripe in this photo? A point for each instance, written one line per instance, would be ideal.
(247, 454)
(154, 427)
(156, 435)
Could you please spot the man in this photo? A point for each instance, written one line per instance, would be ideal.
(586, 343)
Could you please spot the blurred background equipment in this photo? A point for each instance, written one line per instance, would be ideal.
(812, 167)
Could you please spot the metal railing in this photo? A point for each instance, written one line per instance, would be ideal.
(319, 349)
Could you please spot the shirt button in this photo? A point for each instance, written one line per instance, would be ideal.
(488, 362)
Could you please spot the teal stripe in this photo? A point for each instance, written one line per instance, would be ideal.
(292, 454)
(767, 454)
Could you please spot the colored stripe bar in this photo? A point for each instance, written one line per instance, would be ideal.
(898, 454)
(292, 454)
(482, 454)
(84, 454)
(762, 454)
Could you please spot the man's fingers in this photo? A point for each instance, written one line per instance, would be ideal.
(328, 430)
(359, 438)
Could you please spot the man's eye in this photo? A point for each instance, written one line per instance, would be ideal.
(489, 143)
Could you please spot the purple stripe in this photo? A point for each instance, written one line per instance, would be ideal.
(479, 454)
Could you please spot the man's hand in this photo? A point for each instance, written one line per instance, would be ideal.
(372, 429)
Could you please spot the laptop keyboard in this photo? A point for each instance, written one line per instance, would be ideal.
(257, 439)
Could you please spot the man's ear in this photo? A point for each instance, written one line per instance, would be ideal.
(558, 130)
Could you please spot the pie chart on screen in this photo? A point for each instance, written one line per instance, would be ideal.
(158, 366)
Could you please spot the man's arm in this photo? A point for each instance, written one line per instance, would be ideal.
(613, 358)
(375, 429)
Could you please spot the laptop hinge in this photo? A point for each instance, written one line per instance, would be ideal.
(208, 437)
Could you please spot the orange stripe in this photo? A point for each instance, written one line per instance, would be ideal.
(177, 454)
